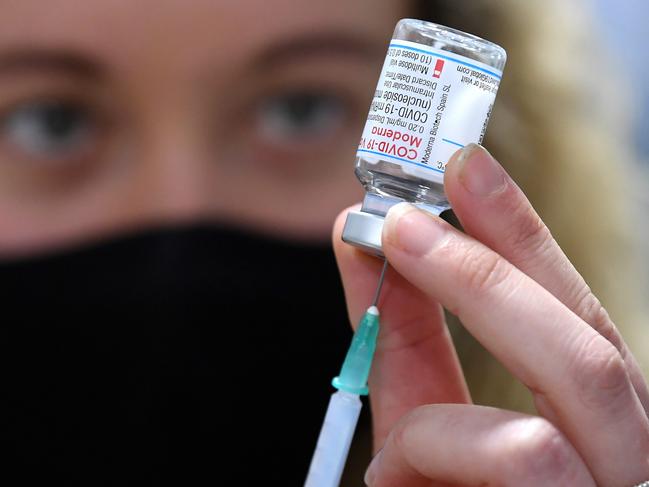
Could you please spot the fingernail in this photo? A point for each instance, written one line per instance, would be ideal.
(412, 230)
(370, 473)
(479, 172)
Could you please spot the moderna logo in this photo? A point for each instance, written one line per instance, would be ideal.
(439, 65)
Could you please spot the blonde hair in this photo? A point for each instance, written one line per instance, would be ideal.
(562, 134)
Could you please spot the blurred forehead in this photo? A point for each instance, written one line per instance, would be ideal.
(142, 31)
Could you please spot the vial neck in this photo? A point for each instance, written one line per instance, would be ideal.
(377, 204)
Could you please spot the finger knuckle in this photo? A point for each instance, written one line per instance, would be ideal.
(600, 373)
(484, 270)
(528, 233)
(401, 432)
(591, 310)
(541, 452)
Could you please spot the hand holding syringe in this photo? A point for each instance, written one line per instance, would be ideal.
(345, 405)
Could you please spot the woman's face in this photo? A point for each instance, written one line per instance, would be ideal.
(116, 114)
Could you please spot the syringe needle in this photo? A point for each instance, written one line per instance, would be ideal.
(375, 301)
(344, 407)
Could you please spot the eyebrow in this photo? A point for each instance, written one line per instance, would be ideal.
(323, 43)
(65, 61)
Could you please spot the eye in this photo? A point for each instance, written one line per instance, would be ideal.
(292, 118)
(49, 129)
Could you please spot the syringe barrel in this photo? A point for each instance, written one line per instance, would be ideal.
(334, 441)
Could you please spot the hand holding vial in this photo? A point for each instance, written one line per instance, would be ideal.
(517, 293)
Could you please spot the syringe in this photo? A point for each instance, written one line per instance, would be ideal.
(345, 405)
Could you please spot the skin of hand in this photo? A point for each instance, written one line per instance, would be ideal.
(513, 288)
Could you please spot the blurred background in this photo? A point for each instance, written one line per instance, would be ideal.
(165, 165)
(624, 25)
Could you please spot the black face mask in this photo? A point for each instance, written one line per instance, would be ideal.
(171, 357)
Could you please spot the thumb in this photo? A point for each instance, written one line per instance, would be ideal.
(415, 362)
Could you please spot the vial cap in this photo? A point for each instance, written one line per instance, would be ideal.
(364, 230)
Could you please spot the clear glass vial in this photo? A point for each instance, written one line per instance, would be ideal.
(434, 95)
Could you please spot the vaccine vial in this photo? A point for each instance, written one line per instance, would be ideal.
(435, 95)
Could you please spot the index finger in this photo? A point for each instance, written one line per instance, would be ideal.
(565, 363)
(493, 210)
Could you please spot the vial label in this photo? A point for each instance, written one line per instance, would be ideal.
(427, 104)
